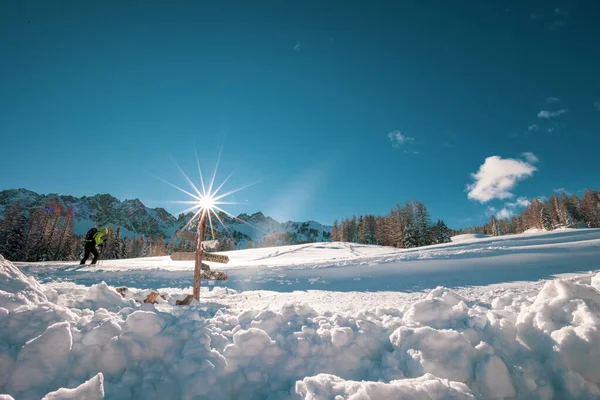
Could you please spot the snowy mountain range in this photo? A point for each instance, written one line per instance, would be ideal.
(136, 219)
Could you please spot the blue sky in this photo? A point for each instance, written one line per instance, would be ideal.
(335, 108)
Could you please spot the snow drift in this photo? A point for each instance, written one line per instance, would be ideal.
(65, 342)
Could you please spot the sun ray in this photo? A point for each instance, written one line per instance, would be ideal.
(235, 190)
(212, 181)
(187, 210)
(241, 220)
(208, 201)
(221, 221)
(182, 202)
(229, 203)
(212, 232)
(189, 180)
(178, 188)
(199, 170)
(186, 226)
(224, 182)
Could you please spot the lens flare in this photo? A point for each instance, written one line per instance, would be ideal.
(208, 200)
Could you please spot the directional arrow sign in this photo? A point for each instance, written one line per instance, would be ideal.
(218, 258)
(214, 275)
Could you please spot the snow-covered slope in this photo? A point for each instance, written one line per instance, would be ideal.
(349, 266)
(514, 317)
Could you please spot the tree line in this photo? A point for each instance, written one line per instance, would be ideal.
(47, 234)
(403, 227)
(557, 211)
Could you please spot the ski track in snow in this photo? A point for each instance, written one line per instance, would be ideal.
(481, 318)
(337, 265)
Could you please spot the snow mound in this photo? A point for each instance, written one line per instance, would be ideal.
(16, 289)
(325, 386)
(563, 324)
(42, 358)
(93, 389)
(67, 341)
(493, 378)
(443, 353)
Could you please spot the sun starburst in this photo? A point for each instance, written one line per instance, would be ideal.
(206, 201)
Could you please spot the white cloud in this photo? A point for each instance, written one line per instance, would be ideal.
(551, 114)
(297, 47)
(530, 157)
(551, 100)
(563, 190)
(505, 213)
(521, 202)
(398, 139)
(508, 211)
(533, 128)
(497, 177)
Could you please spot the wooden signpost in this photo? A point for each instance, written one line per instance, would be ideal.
(201, 270)
(218, 258)
(199, 254)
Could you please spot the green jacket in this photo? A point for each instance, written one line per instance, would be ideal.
(98, 240)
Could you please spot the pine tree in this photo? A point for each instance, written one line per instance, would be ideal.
(394, 227)
(380, 229)
(171, 245)
(505, 226)
(146, 247)
(495, 227)
(65, 245)
(113, 245)
(410, 233)
(573, 206)
(335, 232)
(422, 223)
(36, 226)
(353, 230)
(546, 219)
(160, 247)
(51, 236)
(441, 233)
(12, 234)
(590, 208)
(557, 211)
(125, 248)
(342, 233)
(363, 236)
(371, 223)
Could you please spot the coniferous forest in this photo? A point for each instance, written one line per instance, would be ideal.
(47, 233)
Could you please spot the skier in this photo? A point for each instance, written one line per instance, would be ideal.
(92, 239)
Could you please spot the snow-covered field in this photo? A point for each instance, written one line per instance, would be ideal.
(483, 317)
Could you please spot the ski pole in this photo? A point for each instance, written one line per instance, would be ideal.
(100, 255)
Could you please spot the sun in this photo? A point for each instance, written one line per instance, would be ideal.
(207, 203)
(206, 200)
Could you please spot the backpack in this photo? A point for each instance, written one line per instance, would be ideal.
(90, 234)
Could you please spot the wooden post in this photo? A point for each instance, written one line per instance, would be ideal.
(199, 254)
